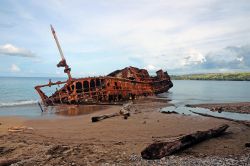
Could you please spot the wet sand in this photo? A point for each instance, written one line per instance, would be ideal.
(241, 107)
(75, 140)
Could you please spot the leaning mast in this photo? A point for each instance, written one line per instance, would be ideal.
(63, 62)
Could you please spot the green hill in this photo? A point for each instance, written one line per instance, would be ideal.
(243, 76)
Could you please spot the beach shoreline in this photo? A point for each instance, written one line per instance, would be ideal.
(77, 141)
(237, 107)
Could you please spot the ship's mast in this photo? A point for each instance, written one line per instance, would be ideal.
(63, 62)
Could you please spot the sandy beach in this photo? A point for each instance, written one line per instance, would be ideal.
(76, 140)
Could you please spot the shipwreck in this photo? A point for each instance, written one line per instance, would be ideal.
(121, 85)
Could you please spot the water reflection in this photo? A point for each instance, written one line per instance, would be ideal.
(76, 110)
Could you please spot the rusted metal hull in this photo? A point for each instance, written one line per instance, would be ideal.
(108, 89)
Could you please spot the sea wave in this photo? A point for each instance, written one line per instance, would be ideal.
(18, 103)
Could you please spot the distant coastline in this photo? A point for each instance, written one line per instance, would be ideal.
(241, 76)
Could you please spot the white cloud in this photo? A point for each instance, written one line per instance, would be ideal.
(11, 50)
(233, 58)
(241, 59)
(194, 58)
(151, 68)
(14, 68)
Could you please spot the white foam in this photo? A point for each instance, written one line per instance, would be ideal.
(18, 103)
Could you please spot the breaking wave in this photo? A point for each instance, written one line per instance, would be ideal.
(18, 103)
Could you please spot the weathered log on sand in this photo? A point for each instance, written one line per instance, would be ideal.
(99, 118)
(169, 112)
(161, 149)
(20, 129)
(125, 112)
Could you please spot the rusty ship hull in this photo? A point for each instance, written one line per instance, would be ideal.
(120, 85)
(106, 89)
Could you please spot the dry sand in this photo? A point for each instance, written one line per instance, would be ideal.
(77, 141)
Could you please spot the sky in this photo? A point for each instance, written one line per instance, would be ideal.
(100, 36)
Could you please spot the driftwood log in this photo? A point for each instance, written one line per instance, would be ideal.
(161, 149)
(125, 112)
(169, 112)
(20, 129)
(99, 118)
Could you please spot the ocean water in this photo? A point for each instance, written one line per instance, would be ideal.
(199, 91)
(18, 96)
